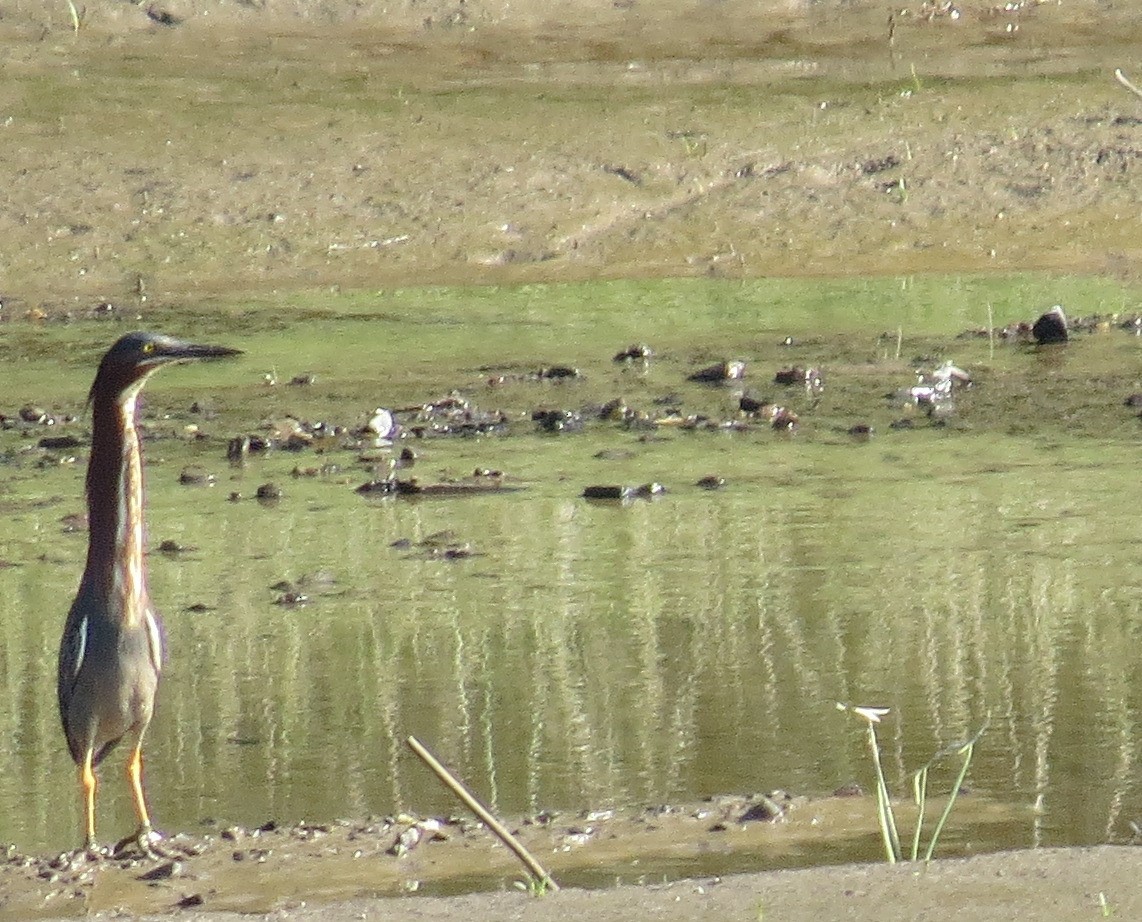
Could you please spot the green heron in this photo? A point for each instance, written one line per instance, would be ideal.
(112, 652)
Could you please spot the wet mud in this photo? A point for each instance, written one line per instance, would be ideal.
(275, 867)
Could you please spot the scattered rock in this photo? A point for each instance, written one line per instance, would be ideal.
(719, 373)
(163, 17)
(59, 442)
(1051, 327)
(784, 419)
(171, 547)
(751, 405)
(195, 476)
(557, 373)
(766, 809)
(482, 481)
(615, 492)
(711, 482)
(812, 378)
(637, 352)
(623, 173)
(558, 420)
(237, 450)
(164, 871)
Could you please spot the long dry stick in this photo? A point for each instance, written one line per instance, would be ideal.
(456, 786)
(1121, 78)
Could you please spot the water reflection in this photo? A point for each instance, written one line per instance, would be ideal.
(594, 654)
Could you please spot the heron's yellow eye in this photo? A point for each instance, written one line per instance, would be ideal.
(148, 348)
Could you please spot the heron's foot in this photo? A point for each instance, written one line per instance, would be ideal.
(146, 842)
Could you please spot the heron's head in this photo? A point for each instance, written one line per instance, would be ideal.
(135, 356)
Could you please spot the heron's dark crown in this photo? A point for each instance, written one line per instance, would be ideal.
(134, 356)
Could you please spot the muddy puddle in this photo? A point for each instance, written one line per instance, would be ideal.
(961, 564)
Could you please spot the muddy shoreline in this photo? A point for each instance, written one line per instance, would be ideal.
(660, 857)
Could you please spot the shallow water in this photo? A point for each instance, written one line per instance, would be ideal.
(594, 654)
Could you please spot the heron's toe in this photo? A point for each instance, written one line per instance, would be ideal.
(145, 842)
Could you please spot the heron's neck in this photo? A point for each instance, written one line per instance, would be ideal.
(115, 506)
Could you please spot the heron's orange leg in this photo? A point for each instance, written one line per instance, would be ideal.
(135, 776)
(146, 838)
(87, 782)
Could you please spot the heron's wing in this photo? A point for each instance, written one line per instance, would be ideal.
(72, 647)
(156, 639)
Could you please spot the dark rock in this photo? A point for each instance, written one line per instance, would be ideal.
(751, 405)
(722, 371)
(558, 420)
(164, 17)
(605, 491)
(879, 165)
(711, 482)
(195, 476)
(386, 487)
(623, 173)
(615, 409)
(649, 489)
(812, 378)
(1051, 327)
(613, 491)
(784, 419)
(637, 352)
(164, 871)
(268, 491)
(237, 449)
(59, 443)
(766, 809)
(557, 372)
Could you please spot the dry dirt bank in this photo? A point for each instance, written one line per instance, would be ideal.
(1054, 885)
(253, 146)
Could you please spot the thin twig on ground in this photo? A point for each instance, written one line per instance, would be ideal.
(1121, 78)
(456, 786)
